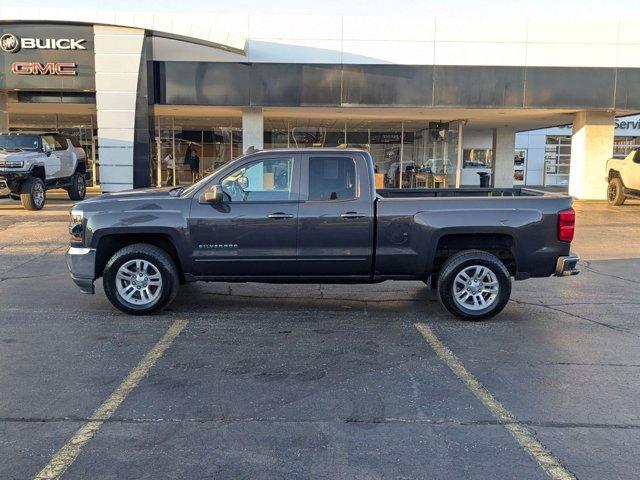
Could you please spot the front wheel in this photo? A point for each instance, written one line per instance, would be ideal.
(615, 192)
(78, 188)
(140, 279)
(33, 194)
(474, 285)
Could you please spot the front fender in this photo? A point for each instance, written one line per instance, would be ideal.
(168, 223)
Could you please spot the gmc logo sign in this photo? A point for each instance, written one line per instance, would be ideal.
(62, 69)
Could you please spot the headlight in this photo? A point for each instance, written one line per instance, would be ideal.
(11, 164)
(76, 228)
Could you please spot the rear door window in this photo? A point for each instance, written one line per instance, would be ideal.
(53, 142)
(61, 142)
(332, 178)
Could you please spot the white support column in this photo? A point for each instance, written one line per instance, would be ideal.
(252, 128)
(591, 147)
(118, 52)
(504, 146)
(4, 114)
(459, 155)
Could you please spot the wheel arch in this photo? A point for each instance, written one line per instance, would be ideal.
(81, 167)
(38, 171)
(614, 174)
(108, 244)
(502, 245)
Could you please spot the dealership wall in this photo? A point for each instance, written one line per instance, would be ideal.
(534, 141)
(468, 67)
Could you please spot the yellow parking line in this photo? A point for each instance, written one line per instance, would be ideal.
(547, 461)
(70, 450)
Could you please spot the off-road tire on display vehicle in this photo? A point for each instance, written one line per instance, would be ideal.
(474, 285)
(136, 268)
(78, 188)
(33, 194)
(615, 192)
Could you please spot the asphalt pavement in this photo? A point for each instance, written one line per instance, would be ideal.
(251, 381)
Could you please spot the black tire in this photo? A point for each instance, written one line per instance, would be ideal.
(159, 259)
(78, 188)
(33, 194)
(615, 192)
(461, 261)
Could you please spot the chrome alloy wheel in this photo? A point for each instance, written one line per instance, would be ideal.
(475, 288)
(139, 282)
(82, 186)
(38, 194)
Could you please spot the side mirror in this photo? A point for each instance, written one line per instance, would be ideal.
(243, 182)
(213, 195)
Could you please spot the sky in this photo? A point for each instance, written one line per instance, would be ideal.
(624, 9)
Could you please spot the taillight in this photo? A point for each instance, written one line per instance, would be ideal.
(566, 225)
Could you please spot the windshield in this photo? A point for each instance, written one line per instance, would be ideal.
(203, 181)
(19, 142)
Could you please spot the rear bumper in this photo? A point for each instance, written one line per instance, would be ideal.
(81, 263)
(566, 265)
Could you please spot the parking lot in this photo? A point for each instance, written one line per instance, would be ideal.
(320, 381)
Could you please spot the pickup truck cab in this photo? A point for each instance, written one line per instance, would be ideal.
(31, 164)
(623, 177)
(313, 215)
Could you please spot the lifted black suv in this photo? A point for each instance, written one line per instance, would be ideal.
(32, 163)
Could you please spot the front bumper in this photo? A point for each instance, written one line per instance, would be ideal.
(566, 266)
(10, 181)
(82, 265)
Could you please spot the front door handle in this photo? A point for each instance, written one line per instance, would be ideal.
(352, 215)
(280, 215)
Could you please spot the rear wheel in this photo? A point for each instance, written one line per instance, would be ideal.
(78, 188)
(615, 192)
(140, 279)
(474, 285)
(33, 194)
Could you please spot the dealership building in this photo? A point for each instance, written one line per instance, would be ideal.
(434, 100)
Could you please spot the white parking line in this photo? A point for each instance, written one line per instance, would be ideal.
(70, 450)
(547, 461)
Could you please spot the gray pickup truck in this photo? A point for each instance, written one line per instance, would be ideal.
(298, 216)
(32, 163)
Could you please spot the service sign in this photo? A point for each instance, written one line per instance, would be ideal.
(46, 57)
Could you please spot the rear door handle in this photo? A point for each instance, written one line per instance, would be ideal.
(280, 215)
(352, 215)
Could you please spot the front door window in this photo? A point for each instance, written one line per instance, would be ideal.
(268, 180)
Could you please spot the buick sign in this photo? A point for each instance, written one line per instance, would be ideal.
(12, 44)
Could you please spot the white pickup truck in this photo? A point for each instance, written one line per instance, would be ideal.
(31, 164)
(623, 176)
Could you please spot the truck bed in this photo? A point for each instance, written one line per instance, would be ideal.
(413, 225)
(458, 192)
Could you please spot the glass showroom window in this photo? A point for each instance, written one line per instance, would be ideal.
(406, 153)
(186, 149)
(557, 157)
(622, 146)
(477, 157)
